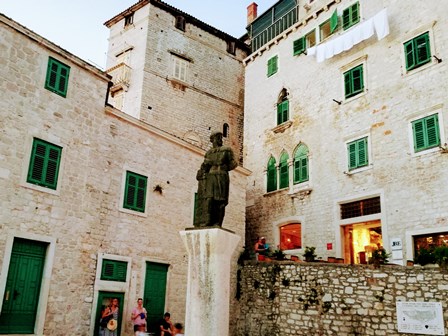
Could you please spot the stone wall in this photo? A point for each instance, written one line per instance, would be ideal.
(287, 298)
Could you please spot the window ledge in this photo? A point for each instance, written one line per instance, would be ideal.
(269, 193)
(282, 127)
(358, 170)
(423, 67)
(359, 95)
(133, 212)
(178, 84)
(301, 190)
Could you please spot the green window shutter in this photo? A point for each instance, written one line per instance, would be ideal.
(271, 175)
(301, 164)
(57, 77)
(354, 81)
(432, 128)
(417, 51)
(350, 16)
(272, 65)
(135, 192)
(44, 164)
(426, 133)
(282, 112)
(409, 55)
(114, 270)
(358, 154)
(334, 21)
(284, 171)
(299, 46)
(422, 49)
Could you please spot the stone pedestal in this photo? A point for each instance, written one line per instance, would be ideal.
(209, 253)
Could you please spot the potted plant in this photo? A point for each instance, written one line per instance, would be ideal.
(425, 256)
(379, 257)
(441, 256)
(278, 254)
(310, 253)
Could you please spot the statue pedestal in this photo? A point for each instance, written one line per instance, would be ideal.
(209, 253)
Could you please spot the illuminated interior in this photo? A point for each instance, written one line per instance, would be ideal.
(360, 240)
(291, 236)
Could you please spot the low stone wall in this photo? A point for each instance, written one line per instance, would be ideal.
(287, 298)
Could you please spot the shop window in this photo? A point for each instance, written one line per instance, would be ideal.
(291, 236)
(430, 241)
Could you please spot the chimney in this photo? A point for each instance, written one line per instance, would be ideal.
(251, 12)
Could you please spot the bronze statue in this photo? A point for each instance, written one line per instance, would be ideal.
(213, 183)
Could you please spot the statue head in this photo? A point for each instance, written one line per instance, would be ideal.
(216, 139)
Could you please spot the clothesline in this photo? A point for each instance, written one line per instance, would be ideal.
(379, 24)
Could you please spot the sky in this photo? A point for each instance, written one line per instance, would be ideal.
(78, 25)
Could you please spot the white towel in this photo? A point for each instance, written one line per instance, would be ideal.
(381, 24)
(311, 51)
(320, 53)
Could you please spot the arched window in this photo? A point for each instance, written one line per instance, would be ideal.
(301, 164)
(284, 170)
(271, 175)
(225, 130)
(291, 236)
(282, 107)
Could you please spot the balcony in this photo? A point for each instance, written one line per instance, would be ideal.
(121, 75)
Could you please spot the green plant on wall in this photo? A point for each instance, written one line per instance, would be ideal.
(425, 256)
(441, 256)
(379, 257)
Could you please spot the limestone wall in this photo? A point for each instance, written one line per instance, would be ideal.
(286, 298)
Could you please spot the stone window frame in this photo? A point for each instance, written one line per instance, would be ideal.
(285, 221)
(127, 168)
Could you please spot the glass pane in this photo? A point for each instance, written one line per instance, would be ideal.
(291, 236)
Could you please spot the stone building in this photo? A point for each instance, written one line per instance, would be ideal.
(93, 197)
(346, 127)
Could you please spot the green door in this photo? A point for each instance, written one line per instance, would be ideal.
(104, 300)
(154, 294)
(18, 315)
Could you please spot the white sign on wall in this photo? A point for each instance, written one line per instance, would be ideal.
(424, 318)
(395, 244)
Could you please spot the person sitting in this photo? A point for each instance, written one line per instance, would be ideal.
(178, 327)
(166, 327)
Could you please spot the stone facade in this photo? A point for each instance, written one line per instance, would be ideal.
(205, 93)
(82, 222)
(410, 184)
(287, 298)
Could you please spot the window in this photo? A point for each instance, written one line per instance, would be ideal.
(350, 16)
(225, 130)
(114, 270)
(329, 27)
(417, 51)
(128, 19)
(57, 77)
(357, 154)
(44, 164)
(282, 107)
(231, 47)
(272, 65)
(430, 241)
(180, 23)
(301, 164)
(284, 170)
(135, 192)
(354, 81)
(291, 236)
(300, 45)
(426, 132)
(180, 69)
(360, 208)
(271, 175)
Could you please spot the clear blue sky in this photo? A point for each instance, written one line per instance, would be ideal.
(77, 25)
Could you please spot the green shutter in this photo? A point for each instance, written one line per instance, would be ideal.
(57, 77)
(114, 270)
(354, 81)
(282, 112)
(350, 16)
(44, 164)
(271, 175)
(135, 192)
(358, 155)
(301, 164)
(363, 159)
(426, 133)
(334, 21)
(352, 156)
(272, 65)
(417, 51)
(284, 171)
(299, 46)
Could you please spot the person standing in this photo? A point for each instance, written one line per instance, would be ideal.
(138, 317)
(110, 313)
(261, 248)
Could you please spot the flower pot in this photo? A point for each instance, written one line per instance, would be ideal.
(261, 257)
(294, 258)
(331, 259)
